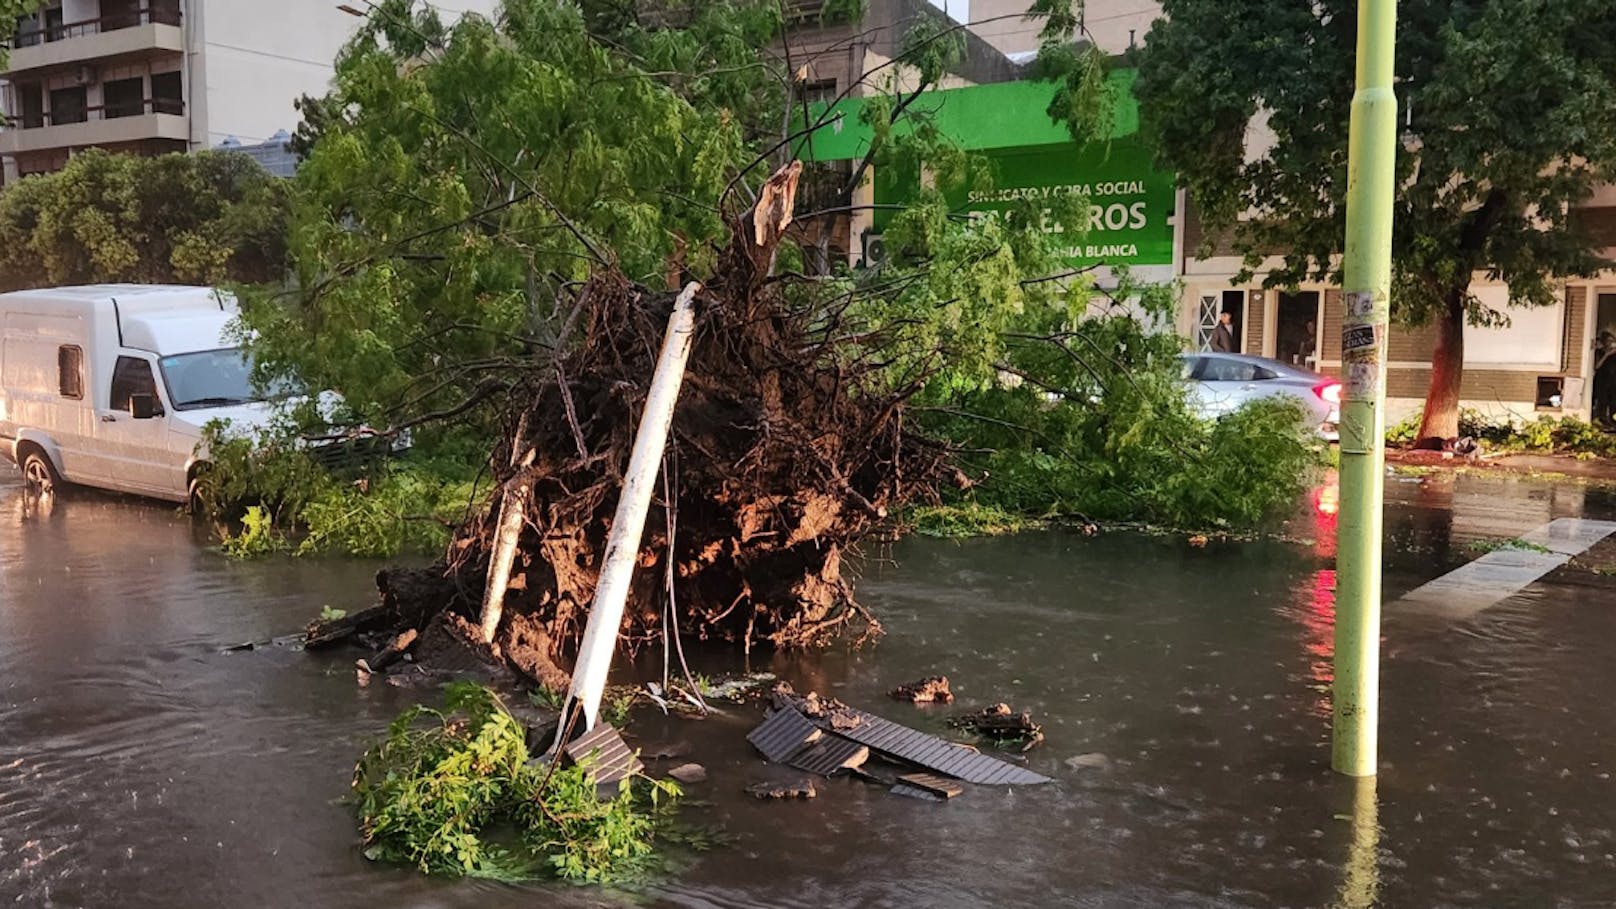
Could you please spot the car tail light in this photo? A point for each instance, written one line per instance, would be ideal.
(1329, 391)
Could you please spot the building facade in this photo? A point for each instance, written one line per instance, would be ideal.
(154, 76)
(1541, 363)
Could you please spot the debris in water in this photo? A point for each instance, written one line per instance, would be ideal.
(932, 689)
(830, 755)
(1090, 761)
(689, 773)
(1003, 725)
(667, 750)
(783, 734)
(940, 786)
(735, 689)
(802, 789)
(898, 743)
(915, 792)
(612, 761)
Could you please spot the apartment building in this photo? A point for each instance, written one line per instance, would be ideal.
(154, 76)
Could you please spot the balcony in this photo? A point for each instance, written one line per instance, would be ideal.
(154, 118)
(131, 33)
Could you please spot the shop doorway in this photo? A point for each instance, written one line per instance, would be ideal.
(1296, 329)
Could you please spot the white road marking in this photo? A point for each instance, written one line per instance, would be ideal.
(1501, 574)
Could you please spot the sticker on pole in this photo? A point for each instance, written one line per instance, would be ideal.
(1358, 337)
(1363, 380)
(1360, 305)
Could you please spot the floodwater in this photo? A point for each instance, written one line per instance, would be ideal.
(142, 766)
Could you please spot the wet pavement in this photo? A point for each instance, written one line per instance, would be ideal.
(141, 766)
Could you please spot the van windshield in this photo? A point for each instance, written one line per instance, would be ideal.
(212, 378)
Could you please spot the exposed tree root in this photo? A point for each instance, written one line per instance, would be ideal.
(783, 454)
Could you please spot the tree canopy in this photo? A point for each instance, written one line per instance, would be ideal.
(464, 180)
(206, 218)
(1510, 112)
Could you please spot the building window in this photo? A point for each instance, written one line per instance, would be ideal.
(168, 93)
(31, 104)
(68, 105)
(116, 14)
(822, 91)
(124, 98)
(165, 12)
(70, 371)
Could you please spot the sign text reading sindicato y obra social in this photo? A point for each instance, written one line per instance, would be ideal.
(1091, 190)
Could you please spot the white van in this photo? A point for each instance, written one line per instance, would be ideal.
(111, 385)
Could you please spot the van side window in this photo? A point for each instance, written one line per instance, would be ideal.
(132, 376)
(70, 371)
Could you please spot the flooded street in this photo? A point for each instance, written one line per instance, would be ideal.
(140, 765)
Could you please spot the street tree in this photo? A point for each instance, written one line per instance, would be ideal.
(206, 218)
(1510, 110)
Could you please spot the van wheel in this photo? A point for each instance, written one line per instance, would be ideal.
(201, 492)
(39, 475)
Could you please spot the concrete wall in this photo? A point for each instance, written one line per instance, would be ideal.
(254, 59)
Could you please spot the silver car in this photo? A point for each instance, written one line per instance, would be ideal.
(1221, 383)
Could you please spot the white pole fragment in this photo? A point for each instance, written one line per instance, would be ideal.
(623, 544)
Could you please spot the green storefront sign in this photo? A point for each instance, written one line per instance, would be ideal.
(1033, 158)
(1130, 203)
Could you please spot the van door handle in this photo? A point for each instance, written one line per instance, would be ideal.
(108, 418)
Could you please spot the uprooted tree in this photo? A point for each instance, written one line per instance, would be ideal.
(492, 224)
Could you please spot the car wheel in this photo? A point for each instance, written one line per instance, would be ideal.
(39, 476)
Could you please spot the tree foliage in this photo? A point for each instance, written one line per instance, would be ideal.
(475, 171)
(1510, 122)
(437, 790)
(11, 12)
(207, 218)
(463, 180)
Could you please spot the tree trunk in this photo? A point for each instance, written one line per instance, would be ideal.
(1441, 418)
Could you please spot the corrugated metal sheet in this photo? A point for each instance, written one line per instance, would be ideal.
(935, 754)
(609, 756)
(783, 734)
(830, 755)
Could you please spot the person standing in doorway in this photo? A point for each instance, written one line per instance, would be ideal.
(1604, 378)
(1223, 335)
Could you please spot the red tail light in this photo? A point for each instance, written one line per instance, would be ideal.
(1329, 391)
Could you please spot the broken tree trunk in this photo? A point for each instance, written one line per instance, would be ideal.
(506, 537)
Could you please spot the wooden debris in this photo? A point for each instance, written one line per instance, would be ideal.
(932, 689)
(931, 782)
(391, 653)
(803, 789)
(915, 792)
(1002, 724)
